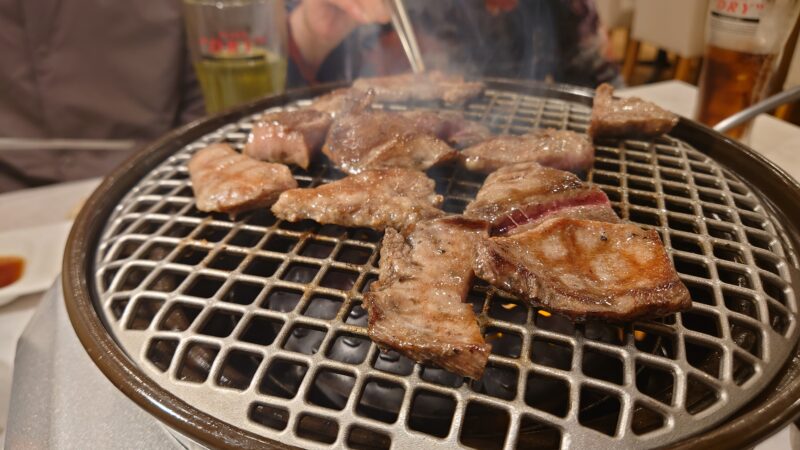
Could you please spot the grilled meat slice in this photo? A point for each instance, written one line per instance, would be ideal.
(417, 305)
(428, 86)
(288, 137)
(225, 181)
(412, 140)
(343, 101)
(520, 196)
(628, 116)
(294, 137)
(586, 269)
(450, 126)
(560, 149)
(374, 199)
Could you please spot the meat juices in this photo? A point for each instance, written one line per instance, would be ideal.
(412, 140)
(375, 199)
(428, 86)
(586, 269)
(288, 137)
(294, 137)
(559, 149)
(417, 305)
(520, 196)
(628, 116)
(225, 181)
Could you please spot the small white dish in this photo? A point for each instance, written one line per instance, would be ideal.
(42, 249)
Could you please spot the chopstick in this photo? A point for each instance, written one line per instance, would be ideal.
(405, 31)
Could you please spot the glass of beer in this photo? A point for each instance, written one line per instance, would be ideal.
(744, 39)
(238, 49)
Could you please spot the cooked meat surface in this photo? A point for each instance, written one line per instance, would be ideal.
(520, 196)
(628, 116)
(450, 126)
(586, 269)
(428, 86)
(378, 139)
(343, 101)
(560, 149)
(417, 305)
(294, 137)
(376, 199)
(225, 181)
(288, 137)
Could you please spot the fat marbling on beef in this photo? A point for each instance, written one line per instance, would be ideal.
(627, 117)
(375, 199)
(429, 86)
(585, 269)
(412, 140)
(225, 181)
(417, 305)
(520, 196)
(560, 149)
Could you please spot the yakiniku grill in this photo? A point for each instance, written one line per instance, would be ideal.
(250, 331)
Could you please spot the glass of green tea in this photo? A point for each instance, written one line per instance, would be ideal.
(238, 49)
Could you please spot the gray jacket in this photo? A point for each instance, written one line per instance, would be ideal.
(90, 69)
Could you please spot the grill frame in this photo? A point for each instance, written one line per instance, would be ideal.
(778, 188)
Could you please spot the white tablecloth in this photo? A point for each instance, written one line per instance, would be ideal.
(22, 210)
(775, 139)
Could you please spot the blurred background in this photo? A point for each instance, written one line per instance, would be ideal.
(80, 95)
(86, 83)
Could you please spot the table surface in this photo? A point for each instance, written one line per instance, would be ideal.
(775, 139)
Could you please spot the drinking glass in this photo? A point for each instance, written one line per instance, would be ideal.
(238, 49)
(744, 40)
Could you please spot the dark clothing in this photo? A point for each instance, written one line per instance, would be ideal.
(112, 69)
(558, 40)
(89, 69)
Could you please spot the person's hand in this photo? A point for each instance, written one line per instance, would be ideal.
(319, 26)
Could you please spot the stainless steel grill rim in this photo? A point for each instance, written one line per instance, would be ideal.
(620, 170)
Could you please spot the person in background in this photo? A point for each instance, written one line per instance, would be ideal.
(554, 40)
(98, 69)
(89, 69)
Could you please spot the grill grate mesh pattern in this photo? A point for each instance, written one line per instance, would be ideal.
(259, 322)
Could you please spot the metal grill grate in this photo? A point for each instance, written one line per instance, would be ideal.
(259, 323)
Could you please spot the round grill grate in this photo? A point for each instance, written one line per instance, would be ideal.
(259, 323)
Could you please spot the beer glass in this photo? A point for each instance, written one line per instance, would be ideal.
(238, 49)
(744, 39)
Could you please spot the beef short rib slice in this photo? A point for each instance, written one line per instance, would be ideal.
(295, 137)
(380, 139)
(417, 305)
(288, 137)
(559, 149)
(225, 181)
(586, 269)
(449, 126)
(429, 86)
(374, 199)
(518, 197)
(343, 101)
(627, 117)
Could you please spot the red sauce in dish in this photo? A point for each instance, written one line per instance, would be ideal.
(11, 269)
